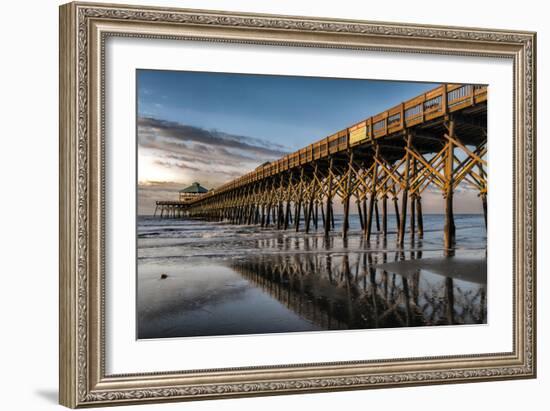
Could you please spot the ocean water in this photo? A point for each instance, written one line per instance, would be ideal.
(201, 278)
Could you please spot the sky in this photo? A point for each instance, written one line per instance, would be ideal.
(214, 127)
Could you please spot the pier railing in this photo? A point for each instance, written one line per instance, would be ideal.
(436, 103)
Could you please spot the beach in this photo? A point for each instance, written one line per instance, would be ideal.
(200, 278)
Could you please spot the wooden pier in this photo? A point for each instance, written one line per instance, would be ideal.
(437, 139)
(171, 209)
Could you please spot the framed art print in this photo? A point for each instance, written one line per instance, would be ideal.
(259, 204)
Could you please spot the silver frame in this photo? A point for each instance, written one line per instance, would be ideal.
(84, 27)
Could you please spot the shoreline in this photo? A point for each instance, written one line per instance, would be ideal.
(225, 279)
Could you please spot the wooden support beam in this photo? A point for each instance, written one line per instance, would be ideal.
(484, 204)
(397, 216)
(377, 214)
(297, 214)
(347, 196)
(365, 214)
(309, 212)
(405, 192)
(419, 217)
(359, 211)
(281, 219)
(453, 139)
(267, 215)
(385, 215)
(436, 176)
(291, 216)
(391, 172)
(287, 214)
(483, 193)
(413, 215)
(449, 227)
(323, 218)
(316, 220)
(372, 193)
(311, 193)
(329, 199)
(413, 202)
(465, 170)
(249, 212)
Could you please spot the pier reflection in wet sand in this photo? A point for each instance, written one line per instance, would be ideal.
(253, 281)
(359, 290)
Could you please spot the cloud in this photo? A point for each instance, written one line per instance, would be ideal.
(188, 153)
(175, 164)
(152, 130)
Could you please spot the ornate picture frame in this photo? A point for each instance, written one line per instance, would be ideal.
(84, 29)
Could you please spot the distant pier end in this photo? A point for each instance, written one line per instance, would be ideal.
(176, 208)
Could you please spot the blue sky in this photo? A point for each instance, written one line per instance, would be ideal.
(291, 111)
(214, 127)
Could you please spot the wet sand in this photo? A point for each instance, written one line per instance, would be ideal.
(208, 299)
(230, 280)
(467, 269)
